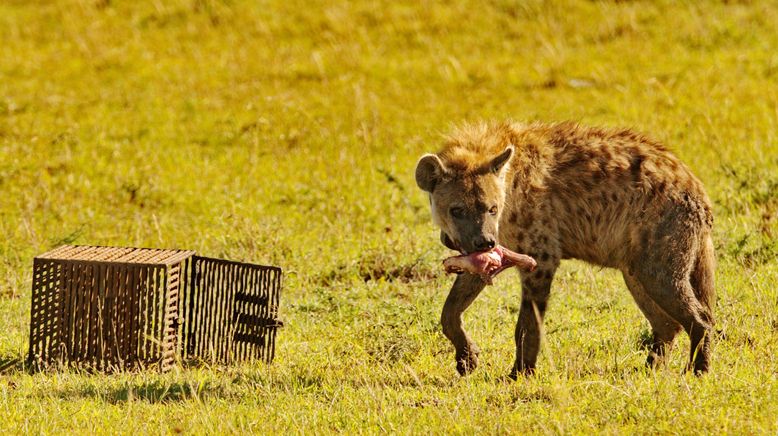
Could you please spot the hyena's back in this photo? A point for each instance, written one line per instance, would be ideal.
(614, 192)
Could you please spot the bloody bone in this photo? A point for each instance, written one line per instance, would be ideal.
(488, 264)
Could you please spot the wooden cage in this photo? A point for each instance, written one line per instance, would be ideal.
(111, 308)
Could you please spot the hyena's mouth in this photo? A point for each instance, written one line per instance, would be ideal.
(449, 243)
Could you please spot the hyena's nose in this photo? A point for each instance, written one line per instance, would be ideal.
(483, 244)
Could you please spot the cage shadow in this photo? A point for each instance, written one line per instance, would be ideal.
(161, 392)
(153, 392)
(14, 363)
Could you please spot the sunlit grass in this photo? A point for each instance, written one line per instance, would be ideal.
(287, 133)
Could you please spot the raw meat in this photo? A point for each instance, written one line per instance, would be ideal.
(488, 264)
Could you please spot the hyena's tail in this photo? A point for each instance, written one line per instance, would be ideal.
(702, 277)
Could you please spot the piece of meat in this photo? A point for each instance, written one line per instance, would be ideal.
(488, 264)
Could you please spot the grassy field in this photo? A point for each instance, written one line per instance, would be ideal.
(286, 132)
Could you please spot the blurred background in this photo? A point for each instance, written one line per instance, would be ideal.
(286, 133)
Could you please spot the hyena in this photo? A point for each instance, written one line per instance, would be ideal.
(612, 198)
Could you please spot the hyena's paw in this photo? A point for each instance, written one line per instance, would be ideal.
(521, 370)
(467, 361)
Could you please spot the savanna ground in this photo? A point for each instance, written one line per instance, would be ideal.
(286, 132)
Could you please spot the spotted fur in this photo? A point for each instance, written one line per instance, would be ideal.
(611, 197)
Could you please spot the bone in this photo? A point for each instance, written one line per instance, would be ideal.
(487, 264)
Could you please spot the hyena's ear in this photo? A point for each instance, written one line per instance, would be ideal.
(497, 164)
(429, 171)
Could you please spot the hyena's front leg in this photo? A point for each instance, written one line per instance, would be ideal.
(466, 288)
(535, 289)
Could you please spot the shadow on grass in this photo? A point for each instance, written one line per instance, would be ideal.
(11, 363)
(162, 392)
(154, 392)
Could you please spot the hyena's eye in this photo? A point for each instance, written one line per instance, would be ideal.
(493, 210)
(457, 212)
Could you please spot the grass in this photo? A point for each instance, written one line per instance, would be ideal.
(287, 133)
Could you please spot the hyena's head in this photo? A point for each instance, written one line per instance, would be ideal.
(466, 200)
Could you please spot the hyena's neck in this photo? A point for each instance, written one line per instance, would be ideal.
(531, 164)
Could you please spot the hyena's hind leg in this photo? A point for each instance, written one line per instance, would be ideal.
(664, 328)
(665, 275)
(669, 268)
(676, 298)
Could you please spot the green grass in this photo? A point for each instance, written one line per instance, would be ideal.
(286, 132)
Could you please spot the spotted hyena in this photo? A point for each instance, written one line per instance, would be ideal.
(609, 197)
